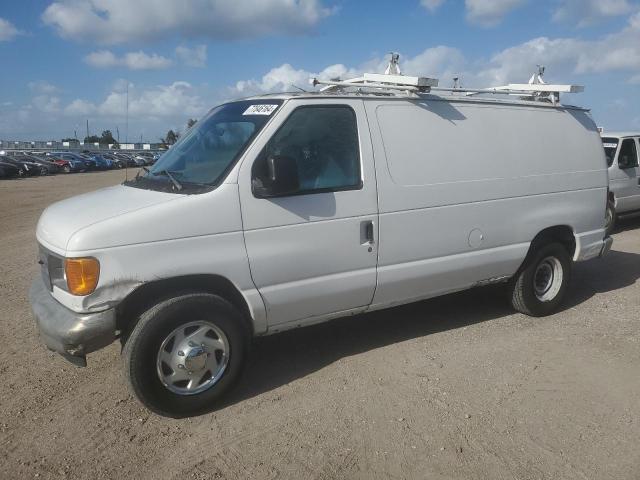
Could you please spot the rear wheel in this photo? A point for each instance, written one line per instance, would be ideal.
(539, 287)
(185, 353)
(610, 217)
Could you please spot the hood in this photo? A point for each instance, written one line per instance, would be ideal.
(119, 216)
(61, 220)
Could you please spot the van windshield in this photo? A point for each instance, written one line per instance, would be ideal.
(610, 146)
(207, 151)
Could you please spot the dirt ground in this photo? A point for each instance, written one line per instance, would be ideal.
(452, 388)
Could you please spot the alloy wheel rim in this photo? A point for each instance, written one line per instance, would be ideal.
(192, 358)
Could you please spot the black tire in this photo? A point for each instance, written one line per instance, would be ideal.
(524, 295)
(44, 171)
(143, 345)
(611, 217)
(67, 169)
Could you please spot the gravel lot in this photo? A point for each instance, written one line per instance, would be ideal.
(455, 387)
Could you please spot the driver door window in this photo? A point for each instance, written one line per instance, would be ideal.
(628, 156)
(321, 143)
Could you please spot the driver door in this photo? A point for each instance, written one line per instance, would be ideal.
(628, 184)
(313, 252)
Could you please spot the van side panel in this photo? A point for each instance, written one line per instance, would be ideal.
(464, 188)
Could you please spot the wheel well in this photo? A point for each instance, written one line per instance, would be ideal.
(612, 197)
(149, 294)
(560, 233)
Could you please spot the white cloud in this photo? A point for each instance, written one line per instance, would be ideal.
(152, 111)
(46, 103)
(132, 60)
(192, 57)
(565, 59)
(618, 51)
(588, 12)
(431, 5)
(122, 21)
(178, 99)
(79, 107)
(284, 77)
(431, 62)
(489, 13)
(42, 87)
(7, 30)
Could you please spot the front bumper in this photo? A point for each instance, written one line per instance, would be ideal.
(71, 334)
(608, 242)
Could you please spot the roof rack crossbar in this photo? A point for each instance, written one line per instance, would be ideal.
(332, 84)
(394, 81)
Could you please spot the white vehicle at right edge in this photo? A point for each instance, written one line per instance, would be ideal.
(622, 149)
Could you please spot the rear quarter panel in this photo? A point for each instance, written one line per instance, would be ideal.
(464, 187)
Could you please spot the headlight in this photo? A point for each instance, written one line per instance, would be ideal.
(82, 275)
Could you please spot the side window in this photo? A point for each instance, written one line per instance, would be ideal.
(316, 144)
(628, 156)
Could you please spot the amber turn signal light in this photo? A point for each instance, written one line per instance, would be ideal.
(82, 275)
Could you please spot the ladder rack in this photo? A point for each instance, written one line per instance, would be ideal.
(395, 82)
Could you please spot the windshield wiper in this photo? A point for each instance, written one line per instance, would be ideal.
(166, 172)
(138, 174)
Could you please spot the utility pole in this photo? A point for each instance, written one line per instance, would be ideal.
(87, 127)
(126, 134)
(118, 134)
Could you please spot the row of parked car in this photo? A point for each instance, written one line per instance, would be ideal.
(26, 164)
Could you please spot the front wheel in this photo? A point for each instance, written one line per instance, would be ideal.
(539, 287)
(185, 353)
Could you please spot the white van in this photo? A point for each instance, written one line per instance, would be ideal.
(280, 211)
(621, 149)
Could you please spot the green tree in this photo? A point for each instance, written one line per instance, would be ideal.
(107, 138)
(92, 139)
(171, 137)
(191, 122)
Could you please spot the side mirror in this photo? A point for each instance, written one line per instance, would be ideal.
(281, 180)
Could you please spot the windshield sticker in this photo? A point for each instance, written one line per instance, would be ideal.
(260, 110)
(610, 145)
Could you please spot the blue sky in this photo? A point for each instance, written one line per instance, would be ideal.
(67, 61)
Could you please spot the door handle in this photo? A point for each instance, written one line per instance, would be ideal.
(368, 231)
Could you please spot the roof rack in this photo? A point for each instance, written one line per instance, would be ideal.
(393, 81)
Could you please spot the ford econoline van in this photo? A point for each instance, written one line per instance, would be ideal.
(624, 174)
(280, 211)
